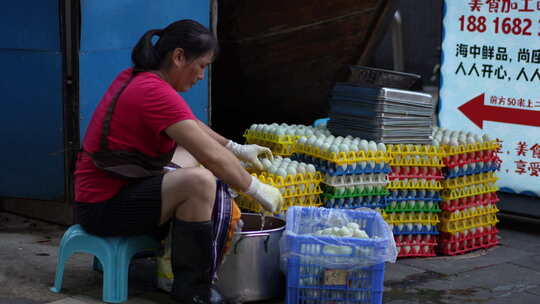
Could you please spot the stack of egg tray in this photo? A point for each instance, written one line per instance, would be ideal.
(282, 145)
(299, 190)
(470, 159)
(351, 179)
(413, 205)
(469, 213)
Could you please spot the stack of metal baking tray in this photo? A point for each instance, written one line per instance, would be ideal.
(385, 115)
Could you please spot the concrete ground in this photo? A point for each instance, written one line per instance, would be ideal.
(508, 273)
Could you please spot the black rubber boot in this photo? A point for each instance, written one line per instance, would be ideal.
(191, 259)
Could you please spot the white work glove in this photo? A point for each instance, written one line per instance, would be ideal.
(268, 196)
(249, 153)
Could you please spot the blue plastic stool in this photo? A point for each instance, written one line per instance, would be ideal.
(320, 121)
(113, 253)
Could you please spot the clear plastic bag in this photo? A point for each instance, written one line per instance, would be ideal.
(302, 245)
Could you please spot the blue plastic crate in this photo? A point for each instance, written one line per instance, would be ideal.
(317, 275)
(363, 285)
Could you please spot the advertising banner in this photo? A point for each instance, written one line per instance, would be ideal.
(491, 82)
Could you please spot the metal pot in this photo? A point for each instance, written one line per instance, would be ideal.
(251, 269)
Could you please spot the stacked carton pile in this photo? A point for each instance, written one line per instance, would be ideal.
(469, 196)
(413, 203)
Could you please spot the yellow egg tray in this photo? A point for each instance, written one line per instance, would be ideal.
(283, 145)
(277, 148)
(422, 161)
(298, 190)
(464, 224)
(419, 150)
(411, 217)
(419, 184)
(469, 180)
(457, 193)
(289, 180)
(447, 216)
(248, 203)
(281, 139)
(454, 150)
(343, 158)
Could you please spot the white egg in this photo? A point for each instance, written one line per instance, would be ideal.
(290, 131)
(445, 140)
(291, 170)
(381, 147)
(344, 148)
(273, 169)
(281, 172)
(301, 169)
(337, 141)
(302, 140)
(353, 226)
(311, 168)
(334, 149)
(266, 163)
(325, 146)
(372, 146)
(363, 145)
(346, 232)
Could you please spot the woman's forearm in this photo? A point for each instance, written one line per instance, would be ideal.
(216, 136)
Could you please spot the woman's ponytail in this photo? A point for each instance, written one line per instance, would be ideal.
(144, 55)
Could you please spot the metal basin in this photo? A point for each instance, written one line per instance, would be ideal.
(251, 269)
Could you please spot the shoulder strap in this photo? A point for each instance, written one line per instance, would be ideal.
(107, 121)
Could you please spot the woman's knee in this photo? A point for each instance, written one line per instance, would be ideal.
(189, 193)
(202, 182)
(201, 188)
